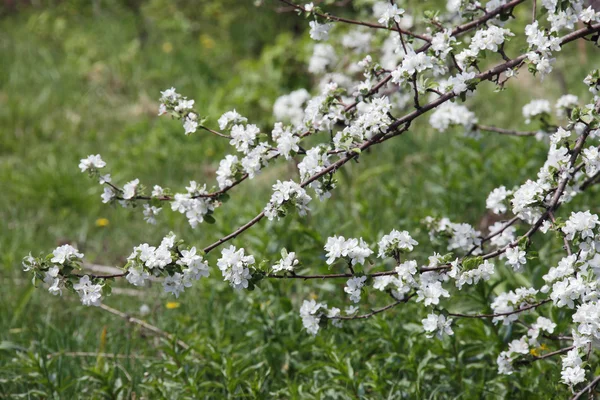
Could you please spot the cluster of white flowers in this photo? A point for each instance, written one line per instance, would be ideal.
(496, 201)
(452, 114)
(511, 301)
(373, 117)
(89, 292)
(230, 118)
(437, 325)
(285, 194)
(482, 272)
(355, 250)
(179, 107)
(516, 258)
(287, 262)
(491, 39)
(243, 137)
(290, 107)
(193, 204)
(536, 108)
(354, 287)
(146, 260)
(235, 267)
(323, 56)
(394, 243)
(319, 31)
(92, 163)
(441, 43)
(413, 63)
(392, 14)
(565, 103)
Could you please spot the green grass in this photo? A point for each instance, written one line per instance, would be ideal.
(76, 81)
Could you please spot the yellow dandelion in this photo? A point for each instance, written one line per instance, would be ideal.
(206, 41)
(102, 222)
(172, 304)
(534, 352)
(167, 47)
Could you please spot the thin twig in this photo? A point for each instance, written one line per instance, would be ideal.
(146, 326)
(520, 310)
(588, 388)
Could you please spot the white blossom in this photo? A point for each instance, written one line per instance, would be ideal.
(438, 325)
(91, 163)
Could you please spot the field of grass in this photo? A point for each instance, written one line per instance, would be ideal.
(77, 80)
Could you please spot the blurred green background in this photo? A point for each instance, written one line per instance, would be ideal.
(83, 77)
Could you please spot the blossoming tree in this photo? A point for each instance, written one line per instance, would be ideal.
(390, 76)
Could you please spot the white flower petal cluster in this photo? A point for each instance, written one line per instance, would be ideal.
(395, 243)
(515, 258)
(235, 267)
(572, 368)
(591, 160)
(108, 195)
(52, 279)
(323, 56)
(192, 204)
(287, 142)
(542, 324)
(243, 137)
(430, 292)
(464, 237)
(372, 119)
(65, 254)
(89, 293)
(496, 201)
(287, 262)
(472, 276)
(288, 192)
(524, 198)
(356, 250)
(130, 189)
(582, 224)
(511, 301)
(179, 107)
(309, 312)
(290, 107)
(150, 213)
(437, 325)
(565, 103)
(503, 239)
(91, 163)
(228, 168)
(315, 160)
(534, 108)
(390, 15)
(452, 114)
(230, 118)
(319, 31)
(459, 82)
(441, 43)
(412, 63)
(354, 287)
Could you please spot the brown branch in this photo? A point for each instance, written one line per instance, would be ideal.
(146, 326)
(214, 132)
(520, 310)
(503, 131)
(588, 388)
(331, 17)
(375, 311)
